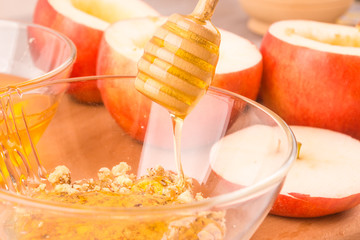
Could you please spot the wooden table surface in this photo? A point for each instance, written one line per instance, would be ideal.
(230, 16)
(343, 226)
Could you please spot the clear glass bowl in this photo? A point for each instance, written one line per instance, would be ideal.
(30, 53)
(236, 151)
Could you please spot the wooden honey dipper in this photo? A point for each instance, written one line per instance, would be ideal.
(179, 61)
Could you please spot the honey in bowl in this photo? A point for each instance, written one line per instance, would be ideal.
(8, 79)
(118, 188)
(23, 120)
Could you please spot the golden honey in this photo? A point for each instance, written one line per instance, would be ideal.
(23, 117)
(118, 189)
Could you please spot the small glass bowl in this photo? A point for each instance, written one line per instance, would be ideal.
(33, 53)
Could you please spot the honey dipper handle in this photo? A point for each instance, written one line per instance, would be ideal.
(204, 9)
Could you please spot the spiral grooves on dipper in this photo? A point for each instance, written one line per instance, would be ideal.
(179, 63)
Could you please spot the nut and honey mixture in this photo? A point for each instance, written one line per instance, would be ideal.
(158, 187)
(119, 188)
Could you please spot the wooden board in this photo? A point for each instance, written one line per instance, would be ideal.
(343, 226)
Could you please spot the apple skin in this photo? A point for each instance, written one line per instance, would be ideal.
(111, 62)
(116, 96)
(311, 87)
(85, 64)
(86, 40)
(245, 82)
(324, 177)
(304, 206)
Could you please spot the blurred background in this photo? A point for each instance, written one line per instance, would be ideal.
(229, 14)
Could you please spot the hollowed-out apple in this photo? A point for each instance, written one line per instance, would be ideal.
(84, 22)
(311, 74)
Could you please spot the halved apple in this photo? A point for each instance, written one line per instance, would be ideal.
(84, 22)
(312, 75)
(323, 180)
(239, 68)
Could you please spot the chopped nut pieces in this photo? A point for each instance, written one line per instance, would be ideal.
(60, 175)
(119, 188)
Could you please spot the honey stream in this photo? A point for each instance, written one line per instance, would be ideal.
(178, 66)
(177, 124)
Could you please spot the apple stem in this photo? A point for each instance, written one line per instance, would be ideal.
(204, 9)
(298, 150)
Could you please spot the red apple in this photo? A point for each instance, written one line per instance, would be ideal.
(239, 68)
(323, 180)
(84, 23)
(311, 74)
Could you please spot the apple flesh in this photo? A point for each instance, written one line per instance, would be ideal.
(323, 180)
(123, 45)
(84, 23)
(311, 74)
(239, 68)
(244, 156)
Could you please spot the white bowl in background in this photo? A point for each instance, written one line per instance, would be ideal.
(262, 13)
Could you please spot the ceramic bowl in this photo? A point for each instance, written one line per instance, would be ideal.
(264, 12)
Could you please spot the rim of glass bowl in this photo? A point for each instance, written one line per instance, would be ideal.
(221, 200)
(68, 62)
